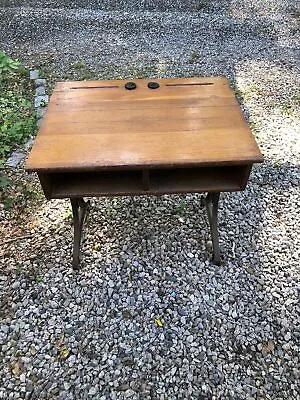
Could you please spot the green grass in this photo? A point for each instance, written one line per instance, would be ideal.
(181, 208)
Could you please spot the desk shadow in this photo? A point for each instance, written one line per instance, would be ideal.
(244, 310)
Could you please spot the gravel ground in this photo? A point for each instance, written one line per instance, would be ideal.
(149, 316)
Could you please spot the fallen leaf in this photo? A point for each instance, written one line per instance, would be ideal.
(127, 314)
(268, 348)
(32, 350)
(128, 361)
(97, 247)
(250, 270)
(60, 342)
(16, 368)
(159, 323)
(64, 353)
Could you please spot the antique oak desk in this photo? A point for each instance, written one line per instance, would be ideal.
(107, 138)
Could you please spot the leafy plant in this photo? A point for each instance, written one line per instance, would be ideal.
(17, 115)
(17, 121)
(4, 180)
(194, 57)
(181, 208)
(7, 65)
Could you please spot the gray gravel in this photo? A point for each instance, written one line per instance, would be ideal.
(228, 332)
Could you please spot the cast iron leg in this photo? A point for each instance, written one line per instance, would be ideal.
(79, 208)
(211, 203)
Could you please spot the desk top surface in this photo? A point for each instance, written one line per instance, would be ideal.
(100, 124)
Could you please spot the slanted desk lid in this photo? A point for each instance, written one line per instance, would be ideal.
(183, 122)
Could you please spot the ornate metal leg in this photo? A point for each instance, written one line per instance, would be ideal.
(211, 203)
(79, 208)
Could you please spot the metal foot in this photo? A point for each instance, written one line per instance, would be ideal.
(211, 203)
(79, 208)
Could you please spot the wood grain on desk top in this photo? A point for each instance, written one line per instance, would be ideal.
(89, 126)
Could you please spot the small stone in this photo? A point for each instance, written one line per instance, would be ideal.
(15, 159)
(41, 101)
(209, 244)
(225, 307)
(183, 320)
(190, 255)
(234, 314)
(190, 339)
(71, 359)
(34, 295)
(22, 378)
(15, 285)
(287, 336)
(129, 393)
(40, 91)
(217, 376)
(111, 283)
(55, 391)
(41, 111)
(34, 74)
(67, 385)
(92, 390)
(123, 387)
(4, 329)
(40, 82)
(28, 144)
(182, 311)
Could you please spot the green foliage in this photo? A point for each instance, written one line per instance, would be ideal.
(78, 65)
(4, 180)
(7, 65)
(17, 121)
(181, 208)
(17, 115)
(194, 57)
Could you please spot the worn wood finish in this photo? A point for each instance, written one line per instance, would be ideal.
(99, 139)
(89, 127)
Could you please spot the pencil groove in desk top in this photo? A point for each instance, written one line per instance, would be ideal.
(185, 121)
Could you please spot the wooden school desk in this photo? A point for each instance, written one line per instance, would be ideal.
(108, 138)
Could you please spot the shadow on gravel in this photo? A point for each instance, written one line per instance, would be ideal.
(156, 236)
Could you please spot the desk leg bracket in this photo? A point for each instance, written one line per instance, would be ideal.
(80, 210)
(211, 203)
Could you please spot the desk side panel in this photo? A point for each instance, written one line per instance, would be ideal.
(46, 183)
